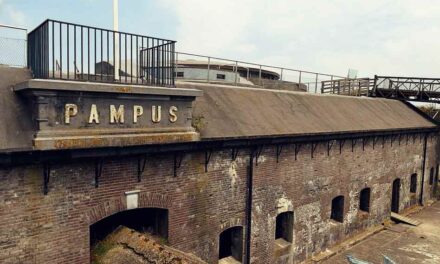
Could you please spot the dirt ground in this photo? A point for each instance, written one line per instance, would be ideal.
(402, 243)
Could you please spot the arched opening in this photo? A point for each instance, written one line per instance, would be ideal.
(395, 197)
(431, 176)
(364, 200)
(231, 243)
(413, 183)
(284, 226)
(151, 220)
(337, 213)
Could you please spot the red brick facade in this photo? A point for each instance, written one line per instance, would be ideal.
(54, 228)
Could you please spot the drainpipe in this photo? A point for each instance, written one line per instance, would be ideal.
(249, 206)
(423, 168)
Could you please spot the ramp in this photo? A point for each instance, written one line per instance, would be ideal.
(404, 219)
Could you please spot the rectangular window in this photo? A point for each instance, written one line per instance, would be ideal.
(284, 226)
(413, 185)
(338, 209)
(221, 76)
(179, 74)
(364, 200)
(431, 176)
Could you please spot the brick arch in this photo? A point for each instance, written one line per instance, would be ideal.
(233, 222)
(119, 204)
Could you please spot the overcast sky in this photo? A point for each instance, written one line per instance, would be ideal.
(400, 37)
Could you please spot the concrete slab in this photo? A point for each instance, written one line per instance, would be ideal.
(418, 244)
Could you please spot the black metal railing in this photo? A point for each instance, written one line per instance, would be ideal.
(67, 51)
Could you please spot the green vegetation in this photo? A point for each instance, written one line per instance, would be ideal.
(99, 251)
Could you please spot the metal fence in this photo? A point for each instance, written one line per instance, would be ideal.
(67, 51)
(247, 72)
(12, 46)
(356, 87)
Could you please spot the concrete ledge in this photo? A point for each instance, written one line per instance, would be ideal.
(80, 86)
(79, 142)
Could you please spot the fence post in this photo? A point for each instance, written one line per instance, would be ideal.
(259, 76)
(316, 83)
(209, 66)
(236, 70)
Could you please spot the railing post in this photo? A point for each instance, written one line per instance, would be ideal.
(281, 77)
(259, 76)
(209, 66)
(316, 83)
(299, 80)
(236, 70)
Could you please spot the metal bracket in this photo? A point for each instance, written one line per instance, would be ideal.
(297, 149)
(341, 145)
(234, 154)
(392, 140)
(208, 154)
(46, 178)
(375, 139)
(353, 144)
(98, 171)
(329, 146)
(257, 154)
(279, 149)
(142, 161)
(313, 148)
(177, 163)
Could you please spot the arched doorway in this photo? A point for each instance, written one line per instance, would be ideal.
(151, 220)
(395, 197)
(231, 244)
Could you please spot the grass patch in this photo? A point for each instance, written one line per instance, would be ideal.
(99, 251)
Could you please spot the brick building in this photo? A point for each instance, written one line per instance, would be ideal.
(221, 172)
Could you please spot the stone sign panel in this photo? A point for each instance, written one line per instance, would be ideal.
(81, 115)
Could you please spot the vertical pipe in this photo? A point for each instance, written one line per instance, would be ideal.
(423, 168)
(249, 190)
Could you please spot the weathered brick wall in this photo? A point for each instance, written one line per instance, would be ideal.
(35, 228)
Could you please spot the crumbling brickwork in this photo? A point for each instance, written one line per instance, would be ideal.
(54, 228)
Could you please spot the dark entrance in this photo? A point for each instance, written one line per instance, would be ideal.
(364, 200)
(231, 243)
(150, 220)
(395, 198)
(284, 226)
(337, 213)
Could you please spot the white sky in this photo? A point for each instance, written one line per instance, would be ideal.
(375, 37)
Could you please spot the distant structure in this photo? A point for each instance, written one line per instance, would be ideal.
(229, 73)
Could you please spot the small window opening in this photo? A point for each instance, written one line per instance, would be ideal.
(413, 185)
(364, 200)
(179, 74)
(338, 209)
(231, 243)
(431, 176)
(284, 226)
(221, 76)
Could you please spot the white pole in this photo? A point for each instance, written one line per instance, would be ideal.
(116, 28)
